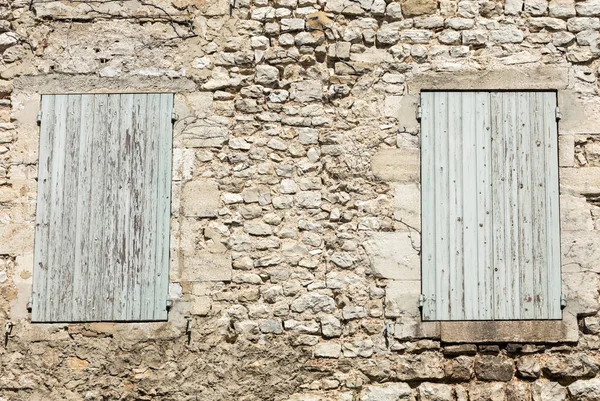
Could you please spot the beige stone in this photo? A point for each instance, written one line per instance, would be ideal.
(580, 251)
(404, 110)
(16, 239)
(566, 150)
(579, 114)
(407, 202)
(585, 180)
(397, 164)
(395, 255)
(200, 198)
(205, 266)
(575, 214)
(412, 8)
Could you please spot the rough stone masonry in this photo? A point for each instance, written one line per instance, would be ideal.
(296, 199)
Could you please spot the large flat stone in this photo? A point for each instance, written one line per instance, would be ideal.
(404, 110)
(200, 198)
(393, 256)
(206, 266)
(580, 251)
(585, 180)
(543, 331)
(407, 205)
(575, 214)
(397, 164)
(579, 115)
(516, 79)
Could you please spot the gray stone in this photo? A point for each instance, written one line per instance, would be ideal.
(460, 23)
(313, 302)
(388, 35)
(562, 38)
(415, 36)
(506, 35)
(330, 326)
(386, 392)
(425, 366)
(535, 7)
(494, 368)
(306, 91)
(459, 368)
(528, 367)
(266, 75)
(513, 7)
(548, 391)
(271, 326)
(487, 392)
(435, 392)
(579, 24)
(588, 8)
(555, 24)
(585, 390)
(570, 367)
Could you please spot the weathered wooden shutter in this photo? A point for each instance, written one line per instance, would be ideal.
(104, 196)
(490, 240)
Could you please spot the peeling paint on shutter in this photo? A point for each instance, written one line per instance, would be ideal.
(103, 210)
(490, 240)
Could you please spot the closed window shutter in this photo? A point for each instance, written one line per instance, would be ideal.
(103, 210)
(490, 239)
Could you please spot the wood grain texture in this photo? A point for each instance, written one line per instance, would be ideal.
(104, 191)
(490, 206)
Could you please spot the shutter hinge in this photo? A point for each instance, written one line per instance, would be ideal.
(169, 303)
(558, 115)
(29, 304)
(419, 113)
(39, 117)
(173, 116)
(421, 300)
(563, 302)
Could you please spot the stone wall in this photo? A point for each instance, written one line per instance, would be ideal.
(296, 200)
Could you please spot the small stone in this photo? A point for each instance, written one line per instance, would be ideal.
(461, 349)
(435, 392)
(386, 392)
(328, 350)
(412, 8)
(266, 75)
(528, 367)
(342, 259)
(271, 326)
(494, 368)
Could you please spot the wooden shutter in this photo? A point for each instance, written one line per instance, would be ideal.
(490, 240)
(104, 195)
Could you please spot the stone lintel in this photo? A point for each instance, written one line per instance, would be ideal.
(542, 331)
(541, 78)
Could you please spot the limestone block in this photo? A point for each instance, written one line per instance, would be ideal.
(328, 350)
(404, 110)
(566, 150)
(205, 136)
(306, 91)
(513, 7)
(435, 391)
(581, 291)
(412, 8)
(580, 251)
(570, 367)
(579, 115)
(397, 165)
(200, 198)
(585, 180)
(585, 390)
(575, 214)
(402, 298)
(425, 366)
(409, 328)
(407, 202)
(206, 266)
(562, 8)
(386, 392)
(528, 367)
(588, 8)
(548, 391)
(487, 392)
(494, 368)
(16, 239)
(393, 255)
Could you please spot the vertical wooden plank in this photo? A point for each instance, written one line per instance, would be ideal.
(524, 266)
(81, 244)
(553, 275)
(44, 196)
(513, 224)
(163, 218)
(455, 206)
(428, 198)
(485, 274)
(123, 236)
(108, 240)
(149, 207)
(95, 285)
(499, 188)
(442, 210)
(56, 210)
(139, 121)
(66, 252)
(470, 166)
